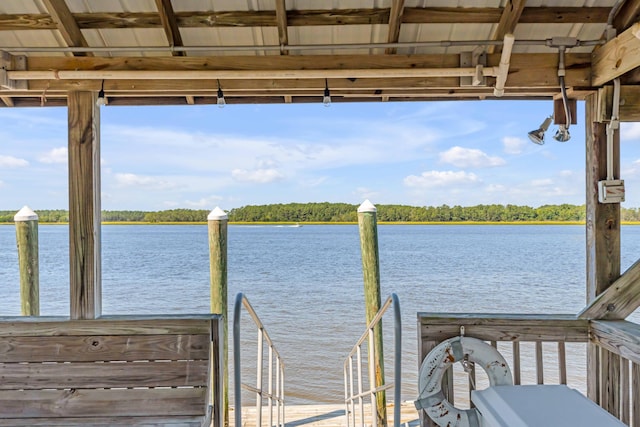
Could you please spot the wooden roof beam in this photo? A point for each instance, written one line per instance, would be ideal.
(508, 21)
(66, 24)
(617, 57)
(169, 24)
(296, 18)
(281, 21)
(628, 14)
(395, 20)
(619, 300)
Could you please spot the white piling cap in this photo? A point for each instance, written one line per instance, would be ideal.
(217, 215)
(25, 214)
(367, 206)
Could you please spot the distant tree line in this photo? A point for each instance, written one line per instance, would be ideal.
(344, 212)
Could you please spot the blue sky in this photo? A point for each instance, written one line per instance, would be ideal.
(200, 157)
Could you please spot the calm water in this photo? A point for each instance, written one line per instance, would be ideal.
(306, 283)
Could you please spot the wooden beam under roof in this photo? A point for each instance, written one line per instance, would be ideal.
(508, 21)
(296, 18)
(169, 24)
(628, 14)
(619, 300)
(281, 21)
(395, 20)
(66, 24)
(617, 57)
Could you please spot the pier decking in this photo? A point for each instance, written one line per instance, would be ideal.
(328, 415)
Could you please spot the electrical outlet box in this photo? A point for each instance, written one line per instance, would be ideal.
(611, 191)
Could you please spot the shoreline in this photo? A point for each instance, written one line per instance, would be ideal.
(301, 224)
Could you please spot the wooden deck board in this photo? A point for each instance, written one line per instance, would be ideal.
(330, 415)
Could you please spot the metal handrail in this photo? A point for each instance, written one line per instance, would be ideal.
(273, 397)
(352, 397)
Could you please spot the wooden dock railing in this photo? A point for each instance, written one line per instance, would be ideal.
(547, 349)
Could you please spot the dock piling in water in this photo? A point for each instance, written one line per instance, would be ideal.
(368, 228)
(217, 225)
(26, 222)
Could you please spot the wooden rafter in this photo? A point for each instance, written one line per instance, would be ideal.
(66, 24)
(7, 101)
(508, 21)
(618, 56)
(393, 77)
(281, 20)
(296, 18)
(628, 14)
(395, 20)
(169, 24)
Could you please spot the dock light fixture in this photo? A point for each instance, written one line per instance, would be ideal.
(220, 99)
(562, 134)
(537, 136)
(102, 100)
(326, 98)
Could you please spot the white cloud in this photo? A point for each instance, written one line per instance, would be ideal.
(432, 179)
(12, 162)
(469, 157)
(56, 155)
(366, 193)
(141, 181)
(544, 182)
(630, 131)
(259, 176)
(204, 203)
(513, 144)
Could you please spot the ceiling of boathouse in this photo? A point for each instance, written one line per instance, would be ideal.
(154, 52)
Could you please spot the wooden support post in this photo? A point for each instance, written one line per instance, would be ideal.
(217, 224)
(367, 224)
(603, 233)
(27, 238)
(84, 205)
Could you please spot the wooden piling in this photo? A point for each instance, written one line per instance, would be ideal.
(368, 227)
(27, 239)
(217, 225)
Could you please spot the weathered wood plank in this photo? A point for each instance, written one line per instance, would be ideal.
(539, 363)
(508, 21)
(37, 376)
(169, 24)
(282, 23)
(84, 205)
(618, 56)
(308, 17)
(395, 21)
(618, 336)
(635, 393)
(517, 376)
(504, 327)
(177, 421)
(101, 403)
(562, 363)
(603, 219)
(111, 325)
(66, 24)
(625, 398)
(610, 382)
(629, 101)
(104, 348)
(619, 300)
(628, 14)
